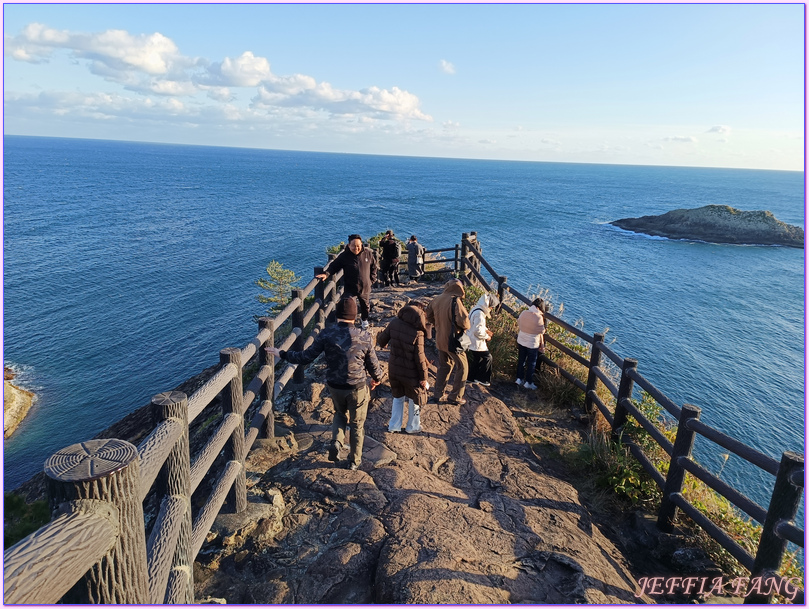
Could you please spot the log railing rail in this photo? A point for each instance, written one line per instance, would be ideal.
(95, 550)
(777, 521)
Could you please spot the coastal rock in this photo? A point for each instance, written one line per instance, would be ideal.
(717, 224)
(16, 403)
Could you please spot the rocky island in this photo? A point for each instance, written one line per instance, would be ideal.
(717, 224)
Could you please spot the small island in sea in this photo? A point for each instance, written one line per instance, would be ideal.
(717, 224)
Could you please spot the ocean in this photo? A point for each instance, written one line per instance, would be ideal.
(128, 266)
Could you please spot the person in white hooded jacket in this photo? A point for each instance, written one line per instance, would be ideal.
(480, 359)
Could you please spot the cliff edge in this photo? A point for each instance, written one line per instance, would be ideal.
(717, 224)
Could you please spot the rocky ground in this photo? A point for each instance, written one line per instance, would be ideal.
(462, 513)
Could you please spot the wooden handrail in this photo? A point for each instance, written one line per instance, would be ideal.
(41, 568)
(749, 454)
(205, 394)
(154, 449)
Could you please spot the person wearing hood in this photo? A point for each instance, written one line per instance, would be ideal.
(407, 366)
(350, 356)
(530, 342)
(359, 273)
(448, 315)
(390, 259)
(480, 360)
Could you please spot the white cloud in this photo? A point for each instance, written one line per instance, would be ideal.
(117, 49)
(451, 126)
(247, 70)
(446, 67)
(722, 129)
(153, 65)
(487, 142)
(687, 139)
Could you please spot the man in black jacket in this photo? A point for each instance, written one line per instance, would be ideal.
(349, 354)
(390, 259)
(359, 273)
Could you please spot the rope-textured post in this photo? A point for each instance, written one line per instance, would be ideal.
(234, 448)
(683, 444)
(175, 480)
(595, 360)
(297, 322)
(464, 254)
(266, 391)
(784, 504)
(502, 281)
(320, 297)
(106, 470)
(457, 260)
(624, 391)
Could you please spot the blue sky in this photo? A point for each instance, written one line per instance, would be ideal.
(695, 85)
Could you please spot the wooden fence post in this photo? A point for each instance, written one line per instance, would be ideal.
(234, 448)
(624, 391)
(175, 480)
(595, 360)
(320, 291)
(266, 392)
(106, 470)
(501, 287)
(457, 260)
(683, 444)
(464, 252)
(784, 504)
(297, 322)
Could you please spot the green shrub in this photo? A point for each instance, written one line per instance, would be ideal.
(21, 519)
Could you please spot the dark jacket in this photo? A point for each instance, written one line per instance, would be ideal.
(405, 334)
(349, 353)
(439, 312)
(359, 271)
(390, 249)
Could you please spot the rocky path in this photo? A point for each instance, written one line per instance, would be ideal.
(463, 513)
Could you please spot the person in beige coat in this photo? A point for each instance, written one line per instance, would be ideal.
(440, 314)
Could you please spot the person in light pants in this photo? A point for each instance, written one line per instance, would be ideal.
(407, 365)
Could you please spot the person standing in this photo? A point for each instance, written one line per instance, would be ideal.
(349, 355)
(447, 313)
(359, 273)
(530, 342)
(415, 258)
(407, 366)
(390, 259)
(480, 359)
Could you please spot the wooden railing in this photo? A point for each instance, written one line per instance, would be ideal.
(95, 550)
(777, 521)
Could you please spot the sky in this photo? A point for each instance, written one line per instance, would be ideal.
(718, 85)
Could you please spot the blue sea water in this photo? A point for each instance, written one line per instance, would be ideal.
(128, 266)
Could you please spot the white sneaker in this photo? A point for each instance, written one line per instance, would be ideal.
(529, 386)
(519, 382)
(365, 324)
